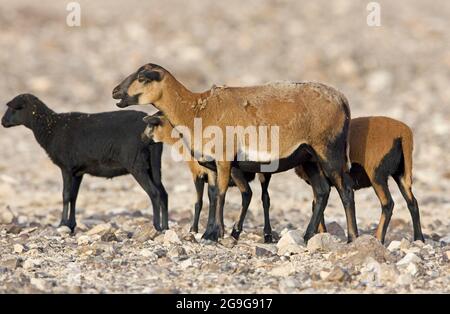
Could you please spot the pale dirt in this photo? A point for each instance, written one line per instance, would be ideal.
(401, 69)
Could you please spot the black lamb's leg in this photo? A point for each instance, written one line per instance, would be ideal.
(67, 186)
(144, 180)
(76, 181)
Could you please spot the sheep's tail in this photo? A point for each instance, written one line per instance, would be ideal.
(347, 123)
(407, 150)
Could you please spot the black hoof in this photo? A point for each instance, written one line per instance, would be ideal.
(307, 236)
(268, 238)
(70, 225)
(193, 229)
(157, 227)
(419, 238)
(350, 239)
(212, 233)
(235, 234)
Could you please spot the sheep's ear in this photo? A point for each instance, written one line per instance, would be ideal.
(152, 120)
(147, 76)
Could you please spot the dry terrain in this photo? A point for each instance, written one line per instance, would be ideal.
(400, 69)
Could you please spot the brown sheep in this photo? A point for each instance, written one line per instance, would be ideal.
(312, 121)
(160, 130)
(381, 147)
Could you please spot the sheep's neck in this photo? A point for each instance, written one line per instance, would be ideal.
(43, 126)
(180, 105)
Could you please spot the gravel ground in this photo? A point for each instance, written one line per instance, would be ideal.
(400, 69)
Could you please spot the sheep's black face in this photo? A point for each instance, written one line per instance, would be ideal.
(17, 112)
(140, 88)
(121, 92)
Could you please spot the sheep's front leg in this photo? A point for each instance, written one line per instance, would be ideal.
(76, 181)
(199, 187)
(213, 232)
(67, 186)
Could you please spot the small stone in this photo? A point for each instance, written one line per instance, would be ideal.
(100, 229)
(409, 258)
(283, 270)
(291, 249)
(335, 229)
(323, 274)
(63, 230)
(145, 233)
(228, 242)
(290, 237)
(388, 273)
(405, 244)
(148, 254)
(18, 248)
(14, 229)
(447, 255)
(84, 240)
(418, 244)
(413, 249)
(109, 237)
(176, 251)
(413, 269)
(41, 284)
(265, 250)
(186, 263)
(190, 237)
(394, 246)
(338, 274)
(6, 216)
(404, 280)
(445, 240)
(32, 263)
(11, 263)
(171, 237)
(323, 242)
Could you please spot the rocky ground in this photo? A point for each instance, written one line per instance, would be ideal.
(400, 69)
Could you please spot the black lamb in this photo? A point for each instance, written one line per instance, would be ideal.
(105, 145)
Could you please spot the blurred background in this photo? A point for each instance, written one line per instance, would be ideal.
(400, 69)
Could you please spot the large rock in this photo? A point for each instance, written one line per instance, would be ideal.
(335, 229)
(324, 242)
(357, 252)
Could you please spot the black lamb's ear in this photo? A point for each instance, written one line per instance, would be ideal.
(152, 120)
(147, 76)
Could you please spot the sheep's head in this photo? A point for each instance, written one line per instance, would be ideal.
(143, 87)
(158, 129)
(20, 111)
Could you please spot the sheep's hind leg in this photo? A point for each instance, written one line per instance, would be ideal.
(265, 198)
(387, 205)
(146, 183)
(413, 207)
(321, 189)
